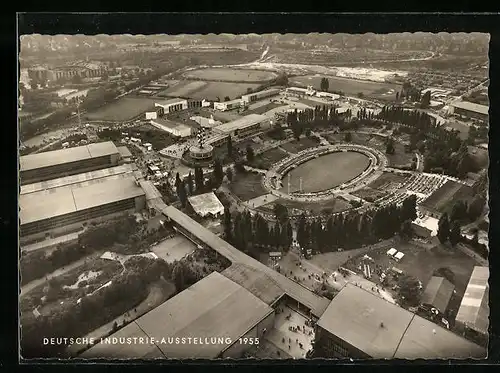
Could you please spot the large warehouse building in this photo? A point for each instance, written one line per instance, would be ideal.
(60, 209)
(244, 127)
(50, 165)
(359, 324)
(474, 310)
(180, 330)
(470, 110)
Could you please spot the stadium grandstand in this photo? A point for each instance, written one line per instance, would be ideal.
(252, 97)
(442, 198)
(180, 330)
(359, 324)
(49, 165)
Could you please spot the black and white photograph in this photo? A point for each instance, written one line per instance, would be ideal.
(267, 196)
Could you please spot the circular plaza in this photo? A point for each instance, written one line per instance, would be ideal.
(322, 172)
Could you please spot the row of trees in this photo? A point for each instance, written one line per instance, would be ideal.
(444, 150)
(253, 235)
(356, 229)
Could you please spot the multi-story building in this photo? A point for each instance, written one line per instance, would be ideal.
(65, 162)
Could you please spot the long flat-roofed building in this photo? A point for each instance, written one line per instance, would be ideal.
(306, 301)
(470, 109)
(244, 126)
(171, 105)
(65, 162)
(247, 99)
(57, 209)
(180, 329)
(474, 310)
(359, 324)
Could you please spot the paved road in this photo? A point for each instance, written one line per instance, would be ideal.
(61, 271)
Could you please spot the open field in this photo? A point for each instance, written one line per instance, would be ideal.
(263, 108)
(351, 87)
(316, 208)
(230, 75)
(327, 171)
(174, 248)
(268, 159)
(297, 146)
(422, 262)
(206, 90)
(212, 90)
(247, 186)
(443, 199)
(123, 109)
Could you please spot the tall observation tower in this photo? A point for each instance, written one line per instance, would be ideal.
(201, 151)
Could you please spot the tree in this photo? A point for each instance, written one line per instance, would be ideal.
(249, 90)
(476, 207)
(218, 171)
(361, 95)
(406, 230)
(227, 98)
(230, 146)
(177, 180)
(228, 226)
(348, 137)
(250, 153)
(115, 326)
(389, 149)
(409, 290)
(455, 234)
(198, 179)
(443, 232)
(324, 84)
(190, 183)
(426, 100)
(181, 193)
(397, 96)
(281, 212)
(229, 173)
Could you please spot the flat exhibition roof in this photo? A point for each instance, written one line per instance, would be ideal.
(355, 316)
(246, 121)
(213, 307)
(470, 106)
(79, 153)
(60, 201)
(78, 178)
(206, 203)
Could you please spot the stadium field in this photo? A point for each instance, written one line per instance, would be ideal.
(327, 172)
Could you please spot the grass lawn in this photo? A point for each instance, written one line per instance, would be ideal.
(123, 109)
(351, 87)
(264, 108)
(269, 158)
(297, 146)
(231, 74)
(422, 262)
(326, 172)
(213, 90)
(247, 186)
